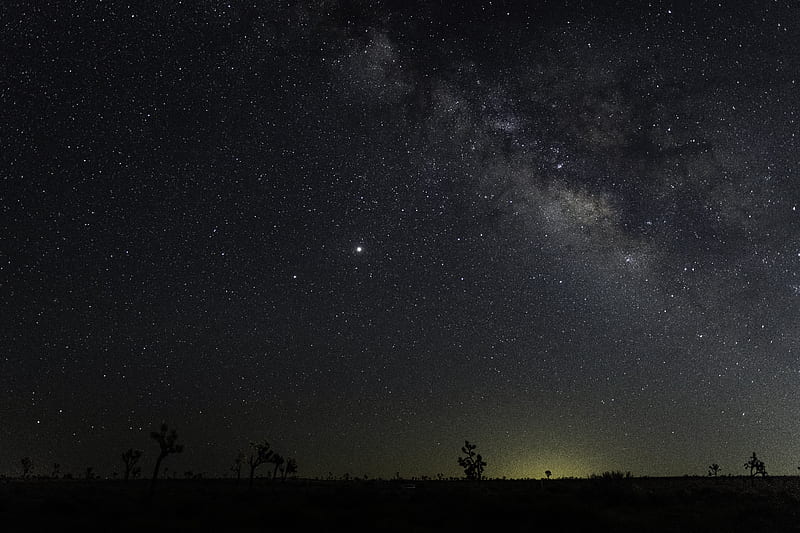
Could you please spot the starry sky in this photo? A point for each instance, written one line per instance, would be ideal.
(366, 231)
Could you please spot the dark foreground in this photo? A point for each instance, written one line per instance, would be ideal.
(654, 504)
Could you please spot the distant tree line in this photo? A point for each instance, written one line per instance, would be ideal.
(260, 453)
(167, 440)
(754, 466)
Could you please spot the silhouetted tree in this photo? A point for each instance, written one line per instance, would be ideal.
(168, 444)
(89, 472)
(259, 455)
(291, 468)
(27, 466)
(713, 470)
(237, 466)
(473, 463)
(278, 459)
(130, 458)
(756, 466)
(548, 473)
(136, 472)
(56, 470)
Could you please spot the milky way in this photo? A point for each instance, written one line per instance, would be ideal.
(567, 234)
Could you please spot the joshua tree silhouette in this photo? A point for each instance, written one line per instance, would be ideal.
(548, 473)
(130, 458)
(713, 470)
(278, 459)
(259, 455)
(27, 466)
(473, 463)
(168, 442)
(291, 468)
(756, 466)
(237, 466)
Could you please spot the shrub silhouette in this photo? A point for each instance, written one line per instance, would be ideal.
(548, 473)
(472, 463)
(713, 470)
(291, 468)
(237, 466)
(168, 443)
(613, 475)
(278, 460)
(756, 466)
(130, 458)
(56, 470)
(259, 455)
(27, 466)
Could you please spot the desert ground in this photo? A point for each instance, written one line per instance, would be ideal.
(636, 504)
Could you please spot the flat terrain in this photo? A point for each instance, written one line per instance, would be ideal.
(639, 504)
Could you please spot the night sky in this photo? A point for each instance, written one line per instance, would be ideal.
(368, 231)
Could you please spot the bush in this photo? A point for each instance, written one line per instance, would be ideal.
(613, 475)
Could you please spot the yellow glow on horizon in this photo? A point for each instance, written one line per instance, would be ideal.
(535, 469)
(563, 463)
